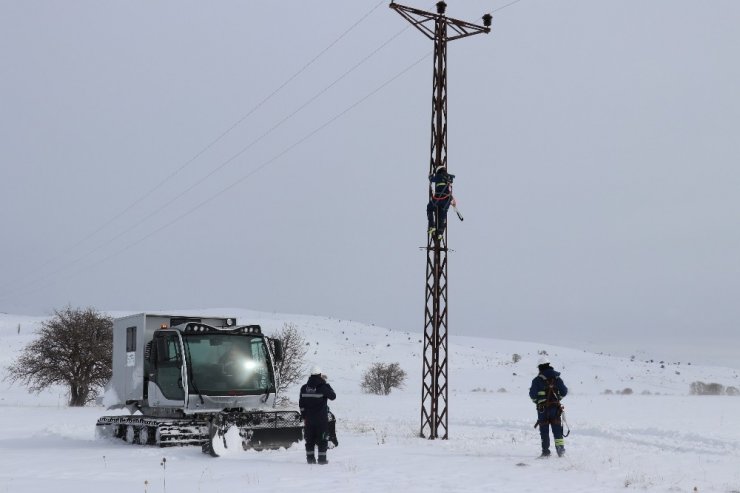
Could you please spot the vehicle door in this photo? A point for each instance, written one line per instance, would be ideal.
(168, 373)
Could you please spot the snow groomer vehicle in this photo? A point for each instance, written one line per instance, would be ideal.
(189, 380)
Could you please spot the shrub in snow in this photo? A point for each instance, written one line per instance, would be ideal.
(381, 378)
(627, 391)
(697, 388)
(701, 388)
(715, 389)
(515, 358)
(732, 391)
(608, 392)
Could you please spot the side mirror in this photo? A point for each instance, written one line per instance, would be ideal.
(278, 350)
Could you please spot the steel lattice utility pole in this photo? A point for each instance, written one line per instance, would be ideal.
(434, 372)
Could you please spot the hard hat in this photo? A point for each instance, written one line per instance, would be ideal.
(544, 360)
(316, 370)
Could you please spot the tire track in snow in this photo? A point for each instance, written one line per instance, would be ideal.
(646, 437)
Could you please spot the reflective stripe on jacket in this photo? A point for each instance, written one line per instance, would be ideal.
(313, 400)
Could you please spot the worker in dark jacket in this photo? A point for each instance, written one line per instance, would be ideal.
(439, 202)
(315, 414)
(546, 391)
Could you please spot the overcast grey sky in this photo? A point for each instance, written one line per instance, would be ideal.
(595, 144)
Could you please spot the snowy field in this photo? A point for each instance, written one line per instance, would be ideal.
(657, 439)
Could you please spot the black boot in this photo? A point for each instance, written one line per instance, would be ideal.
(560, 449)
(322, 459)
(310, 458)
(545, 453)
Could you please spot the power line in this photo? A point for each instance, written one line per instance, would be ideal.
(9, 293)
(215, 170)
(206, 148)
(280, 154)
(242, 178)
(504, 6)
(490, 12)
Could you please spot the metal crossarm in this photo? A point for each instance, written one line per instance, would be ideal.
(420, 20)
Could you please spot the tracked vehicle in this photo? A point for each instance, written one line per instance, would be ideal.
(188, 380)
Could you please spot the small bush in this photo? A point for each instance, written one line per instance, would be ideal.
(381, 378)
(701, 388)
(627, 391)
(608, 392)
(715, 389)
(732, 391)
(516, 358)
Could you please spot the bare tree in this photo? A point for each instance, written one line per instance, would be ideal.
(381, 378)
(74, 349)
(292, 368)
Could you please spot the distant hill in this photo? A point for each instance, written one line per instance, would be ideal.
(345, 349)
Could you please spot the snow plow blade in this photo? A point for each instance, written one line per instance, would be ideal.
(272, 430)
(258, 430)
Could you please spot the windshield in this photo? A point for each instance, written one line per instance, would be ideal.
(228, 364)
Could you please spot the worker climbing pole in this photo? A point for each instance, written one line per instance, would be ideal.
(441, 29)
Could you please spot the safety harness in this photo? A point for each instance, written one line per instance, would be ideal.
(442, 189)
(551, 398)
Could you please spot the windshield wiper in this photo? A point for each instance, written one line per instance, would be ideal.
(190, 369)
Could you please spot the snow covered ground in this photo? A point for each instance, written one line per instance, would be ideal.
(657, 439)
